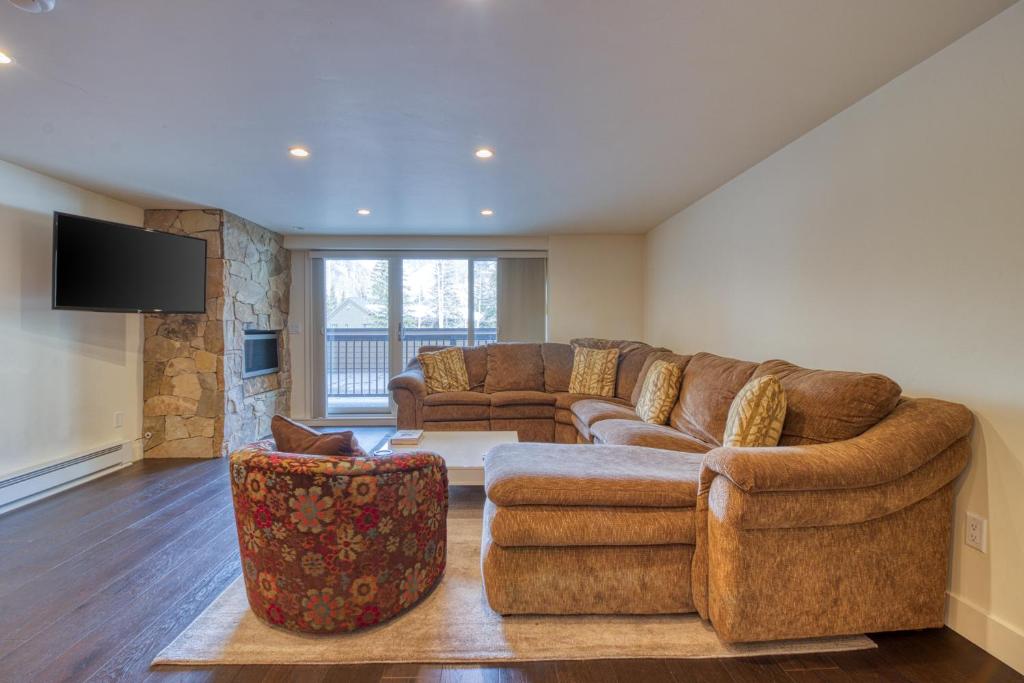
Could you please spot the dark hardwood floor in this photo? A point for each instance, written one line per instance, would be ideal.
(95, 581)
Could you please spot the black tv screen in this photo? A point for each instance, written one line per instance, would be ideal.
(101, 266)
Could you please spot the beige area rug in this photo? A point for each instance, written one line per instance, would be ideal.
(454, 625)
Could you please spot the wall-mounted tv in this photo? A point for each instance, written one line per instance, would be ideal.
(102, 266)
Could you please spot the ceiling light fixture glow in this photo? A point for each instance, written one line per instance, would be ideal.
(4, 59)
(487, 212)
(363, 212)
(484, 153)
(300, 152)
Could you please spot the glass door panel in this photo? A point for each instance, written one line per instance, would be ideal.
(435, 304)
(357, 340)
(485, 301)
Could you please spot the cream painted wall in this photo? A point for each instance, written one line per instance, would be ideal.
(595, 286)
(63, 373)
(891, 238)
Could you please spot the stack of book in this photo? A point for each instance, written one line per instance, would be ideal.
(407, 437)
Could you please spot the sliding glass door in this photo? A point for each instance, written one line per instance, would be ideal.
(357, 344)
(378, 311)
(444, 301)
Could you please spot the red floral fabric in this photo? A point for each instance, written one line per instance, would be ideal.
(334, 544)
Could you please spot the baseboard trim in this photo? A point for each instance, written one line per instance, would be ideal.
(352, 421)
(996, 636)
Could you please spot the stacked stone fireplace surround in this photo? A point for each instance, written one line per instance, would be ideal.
(197, 405)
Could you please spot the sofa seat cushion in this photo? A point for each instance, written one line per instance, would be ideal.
(522, 398)
(587, 525)
(637, 433)
(457, 398)
(616, 476)
(823, 406)
(565, 401)
(456, 405)
(594, 410)
(455, 411)
(518, 411)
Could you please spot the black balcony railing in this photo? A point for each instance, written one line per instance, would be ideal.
(357, 359)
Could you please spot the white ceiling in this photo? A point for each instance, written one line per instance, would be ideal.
(606, 115)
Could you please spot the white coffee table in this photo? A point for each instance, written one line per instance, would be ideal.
(463, 452)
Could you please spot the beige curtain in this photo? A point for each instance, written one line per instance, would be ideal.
(522, 299)
(315, 329)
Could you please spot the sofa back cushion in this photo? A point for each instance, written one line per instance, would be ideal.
(557, 366)
(710, 383)
(632, 355)
(829, 405)
(476, 363)
(514, 367)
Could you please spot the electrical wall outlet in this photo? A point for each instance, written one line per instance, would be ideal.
(118, 420)
(976, 532)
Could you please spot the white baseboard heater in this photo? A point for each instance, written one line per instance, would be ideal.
(26, 486)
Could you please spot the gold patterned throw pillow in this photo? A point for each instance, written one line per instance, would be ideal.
(659, 392)
(593, 371)
(756, 414)
(444, 370)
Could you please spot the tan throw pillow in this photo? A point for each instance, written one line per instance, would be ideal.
(444, 370)
(756, 414)
(292, 437)
(660, 391)
(593, 371)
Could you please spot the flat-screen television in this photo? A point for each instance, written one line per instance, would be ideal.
(102, 266)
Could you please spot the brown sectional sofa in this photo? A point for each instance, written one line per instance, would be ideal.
(842, 528)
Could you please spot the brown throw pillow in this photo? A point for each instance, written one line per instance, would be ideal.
(444, 370)
(292, 437)
(593, 371)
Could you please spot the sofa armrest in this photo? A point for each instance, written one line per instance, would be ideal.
(915, 432)
(412, 380)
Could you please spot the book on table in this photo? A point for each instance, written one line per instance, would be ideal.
(407, 437)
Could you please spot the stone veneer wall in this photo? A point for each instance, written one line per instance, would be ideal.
(196, 403)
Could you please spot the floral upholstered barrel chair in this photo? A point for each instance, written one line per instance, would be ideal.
(338, 543)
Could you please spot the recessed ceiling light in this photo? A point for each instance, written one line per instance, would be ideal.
(484, 153)
(300, 152)
(363, 212)
(4, 59)
(487, 212)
